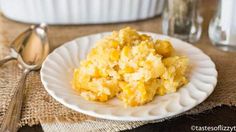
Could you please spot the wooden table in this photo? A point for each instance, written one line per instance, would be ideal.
(223, 115)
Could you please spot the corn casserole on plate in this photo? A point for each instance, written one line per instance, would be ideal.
(130, 66)
(129, 75)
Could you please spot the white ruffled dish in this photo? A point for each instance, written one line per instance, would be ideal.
(57, 72)
(80, 11)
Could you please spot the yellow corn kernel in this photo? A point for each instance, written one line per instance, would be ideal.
(164, 48)
(122, 84)
(100, 73)
(141, 63)
(161, 91)
(85, 78)
(93, 52)
(142, 90)
(128, 69)
(114, 55)
(103, 74)
(97, 73)
(148, 64)
(103, 97)
(114, 43)
(133, 103)
(144, 37)
(87, 63)
(126, 51)
(127, 90)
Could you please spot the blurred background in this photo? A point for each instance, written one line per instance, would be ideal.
(182, 19)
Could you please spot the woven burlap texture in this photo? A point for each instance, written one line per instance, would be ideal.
(39, 107)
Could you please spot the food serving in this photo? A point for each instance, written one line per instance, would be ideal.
(131, 66)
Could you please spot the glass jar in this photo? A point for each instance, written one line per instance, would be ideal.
(181, 19)
(222, 28)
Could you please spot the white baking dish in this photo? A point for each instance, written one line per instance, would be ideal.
(80, 11)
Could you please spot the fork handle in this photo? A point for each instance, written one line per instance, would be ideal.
(12, 116)
(6, 59)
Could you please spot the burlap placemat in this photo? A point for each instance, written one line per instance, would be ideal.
(39, 107)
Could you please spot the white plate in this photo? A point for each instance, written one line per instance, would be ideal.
(57, 72)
